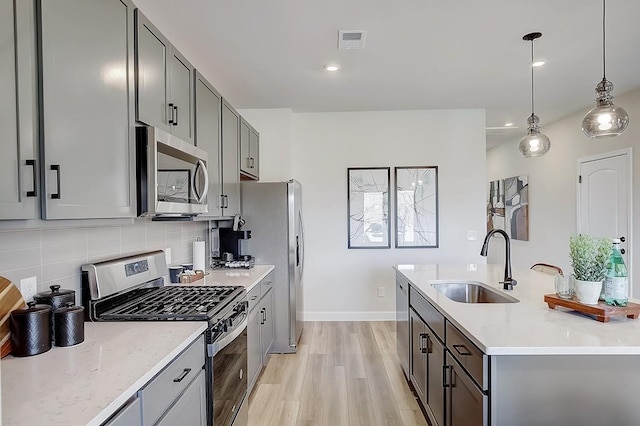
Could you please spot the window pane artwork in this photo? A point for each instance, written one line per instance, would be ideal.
(368, 207)
(508, 206)
(416, 207)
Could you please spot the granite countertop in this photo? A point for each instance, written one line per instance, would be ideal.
(528, 327)
(87, 383)
(248, 278)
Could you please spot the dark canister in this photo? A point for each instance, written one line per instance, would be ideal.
(68, 325)
(57, 297)
(30, 330)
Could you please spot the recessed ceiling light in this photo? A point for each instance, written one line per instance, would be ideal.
(539, 63)
(331, 68)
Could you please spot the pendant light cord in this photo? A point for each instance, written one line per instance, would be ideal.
(532, 108)
(604, 68)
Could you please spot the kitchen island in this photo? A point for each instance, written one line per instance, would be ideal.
(540, 366)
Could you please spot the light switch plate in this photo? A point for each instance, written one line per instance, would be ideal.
(28, 288)
(380, 291)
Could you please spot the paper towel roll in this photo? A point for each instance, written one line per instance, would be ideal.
(198, 256)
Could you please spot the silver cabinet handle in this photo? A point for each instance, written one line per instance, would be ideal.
(462, 350)
(33, 193)
(56, 168)
(423, 338)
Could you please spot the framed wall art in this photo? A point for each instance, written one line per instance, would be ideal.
(416, 207)
(368, 207)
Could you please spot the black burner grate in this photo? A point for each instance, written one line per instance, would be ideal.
(186, 303)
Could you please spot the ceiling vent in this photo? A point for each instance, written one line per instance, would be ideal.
(351, 39)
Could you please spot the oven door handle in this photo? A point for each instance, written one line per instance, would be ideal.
(217, 346)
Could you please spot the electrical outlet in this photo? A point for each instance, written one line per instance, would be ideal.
(167, 255)
(380, 291)
(28, 288)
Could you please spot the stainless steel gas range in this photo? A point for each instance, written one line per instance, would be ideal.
(133, 289)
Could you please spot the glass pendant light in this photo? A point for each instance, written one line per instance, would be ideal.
(606, 119)
(534, 144)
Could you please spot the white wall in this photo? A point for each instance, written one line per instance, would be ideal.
(552, 186)
(342, 283)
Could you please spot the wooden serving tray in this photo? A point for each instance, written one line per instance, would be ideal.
(186, 279)
(601, 311)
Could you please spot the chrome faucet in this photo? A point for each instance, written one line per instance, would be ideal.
(508, 282)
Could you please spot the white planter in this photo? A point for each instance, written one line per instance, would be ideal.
(587, 292)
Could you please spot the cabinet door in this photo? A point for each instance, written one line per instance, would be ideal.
(245, 147)
(191, 407)
(418, 371)
(18, 192)
(403, 340)
(129, 415)
(230, 164)
(465, 402)
(254, 152)
(152, 88)
(267, 333)
(181, 96)
(435, 373)
(87, 99)
(254, 352)
(207, 136)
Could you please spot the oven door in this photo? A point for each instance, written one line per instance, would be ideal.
(229, 375)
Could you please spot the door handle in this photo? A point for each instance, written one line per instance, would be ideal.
(423, 338)
(200, 197)
(175, 117)
(623, 239)
(171, 112)
(33, 193)
(445, 382)
(56, 168)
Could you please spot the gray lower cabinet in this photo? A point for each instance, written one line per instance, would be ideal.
(261, 327)
(165, 89)
(418, 369)
(18, 120)
(465, 402)
(128, 415)
(179, 387)
(230, 160)
(86, 99)
(249, 151)
(208, 134)
(190, 409)
(402, 324)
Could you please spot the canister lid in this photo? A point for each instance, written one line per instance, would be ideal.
(55, 291)
(32, 309)
(68, 308)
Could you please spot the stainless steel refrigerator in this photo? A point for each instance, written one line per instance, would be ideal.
(273, 213)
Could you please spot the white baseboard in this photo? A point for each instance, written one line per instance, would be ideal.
(350, 316)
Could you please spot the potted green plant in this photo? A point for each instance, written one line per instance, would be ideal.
(589, 258)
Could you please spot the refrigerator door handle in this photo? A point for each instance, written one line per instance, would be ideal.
(301, 243)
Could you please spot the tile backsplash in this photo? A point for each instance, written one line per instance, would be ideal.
(54, 256)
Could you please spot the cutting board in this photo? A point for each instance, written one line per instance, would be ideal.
(10, 299)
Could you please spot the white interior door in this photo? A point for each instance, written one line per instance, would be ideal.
(604, 199)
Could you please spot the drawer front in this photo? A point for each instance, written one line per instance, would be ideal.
(266, 284)
(162, 391)
(429, 314)
(253, 297)
(467, 354)
(128, 415)
(191, 407)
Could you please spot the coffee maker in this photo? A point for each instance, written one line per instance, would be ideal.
(226, 248)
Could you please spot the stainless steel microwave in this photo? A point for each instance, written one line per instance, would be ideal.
(172, 179)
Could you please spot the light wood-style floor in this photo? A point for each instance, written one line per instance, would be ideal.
(344, 374)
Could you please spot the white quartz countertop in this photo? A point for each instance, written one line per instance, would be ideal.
(239, 277)
(528, 327)
(87, 383)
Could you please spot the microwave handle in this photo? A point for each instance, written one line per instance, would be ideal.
(200, 198)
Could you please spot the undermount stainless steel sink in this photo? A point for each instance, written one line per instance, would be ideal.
(472, 292)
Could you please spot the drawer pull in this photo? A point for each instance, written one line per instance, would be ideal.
(464, 351)
(182, 376)
(254, 297)
(445, 382)
(424, 348)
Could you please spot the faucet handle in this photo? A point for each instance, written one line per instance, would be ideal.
(508, 284)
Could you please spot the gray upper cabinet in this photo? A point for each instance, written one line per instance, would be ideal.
(18, 134)
(249, 150)
(208, 133)
(230, 163)
(86, 102)
(165, 89)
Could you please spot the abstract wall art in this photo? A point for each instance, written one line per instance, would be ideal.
(416, 207)
(368, 207)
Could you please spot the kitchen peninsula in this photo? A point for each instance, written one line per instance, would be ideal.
(534, 365)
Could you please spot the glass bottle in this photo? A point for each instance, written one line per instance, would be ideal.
(616, 281)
